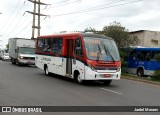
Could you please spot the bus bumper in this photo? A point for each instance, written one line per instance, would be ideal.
(104, 75)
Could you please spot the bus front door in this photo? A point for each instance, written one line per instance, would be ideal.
(69, 50)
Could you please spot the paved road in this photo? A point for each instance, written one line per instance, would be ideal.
(26, 86)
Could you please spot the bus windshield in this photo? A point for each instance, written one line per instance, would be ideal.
(101, 49)
(26, 50)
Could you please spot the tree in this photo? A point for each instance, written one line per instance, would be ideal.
(7, 46)
(90, 29)
(120, 34)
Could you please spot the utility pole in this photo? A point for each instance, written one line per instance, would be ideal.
(38, 27)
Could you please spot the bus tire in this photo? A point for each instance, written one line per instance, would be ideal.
(77, 77)
(107, 82)
(140, 72)
(46, 70)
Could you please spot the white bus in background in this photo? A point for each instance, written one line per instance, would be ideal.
(79, 56)
(22, 51)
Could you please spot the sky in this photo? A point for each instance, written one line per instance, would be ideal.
(76, 15)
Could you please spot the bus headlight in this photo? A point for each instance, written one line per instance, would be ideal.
(118, 69)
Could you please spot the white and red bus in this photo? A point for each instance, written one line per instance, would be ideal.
(81, 56)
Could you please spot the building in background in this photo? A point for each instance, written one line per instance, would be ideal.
(147, 38)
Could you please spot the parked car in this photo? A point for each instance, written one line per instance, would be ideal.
(0, 54)
(5, 55)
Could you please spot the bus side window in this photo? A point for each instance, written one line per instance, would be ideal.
(57, 45)
(141, 55)
(40, 45)
(54, 46)
(148, 56)
(78, 48)
(144, 55)
(154, 55)
(47, 45)
(132, 55)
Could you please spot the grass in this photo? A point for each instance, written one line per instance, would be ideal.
(149, 79)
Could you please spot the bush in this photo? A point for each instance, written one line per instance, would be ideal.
(156, 75)
(123, 56)
(158, 57)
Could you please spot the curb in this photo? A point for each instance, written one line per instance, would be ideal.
(141, 80)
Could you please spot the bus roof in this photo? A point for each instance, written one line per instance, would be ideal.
(74, 34)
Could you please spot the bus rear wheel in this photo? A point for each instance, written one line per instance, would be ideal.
(46, 71)
(140, 72)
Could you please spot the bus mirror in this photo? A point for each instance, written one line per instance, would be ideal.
(74, 61)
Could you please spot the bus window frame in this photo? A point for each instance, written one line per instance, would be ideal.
(81, 57)
(37, 44)
(62, 45)
(52, 45)
(44, 43)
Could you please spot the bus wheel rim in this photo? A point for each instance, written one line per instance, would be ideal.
(140, 73)
(47, 70)
(79, 79)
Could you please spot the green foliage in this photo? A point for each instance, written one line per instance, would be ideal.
(123, 55)
(90, 29)
(157, 57)
(119, 33)
(156, 75)
(7, 46)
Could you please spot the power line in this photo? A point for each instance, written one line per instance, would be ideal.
(27, 33)
(15, 27)
(62, 4)
(23, 28)
(20, 29)
(17, 24)
(95, 8)
(58, 2)
(11, 13)
(13, 19)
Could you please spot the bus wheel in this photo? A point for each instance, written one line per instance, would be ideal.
(46, 71)
(140, 72)
(107, 82)
(78, 78)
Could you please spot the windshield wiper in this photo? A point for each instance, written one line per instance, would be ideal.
(107, 52)
(98, 53)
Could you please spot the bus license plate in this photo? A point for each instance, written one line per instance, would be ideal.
(106, 75)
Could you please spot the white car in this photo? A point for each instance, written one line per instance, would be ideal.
(5, 56)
